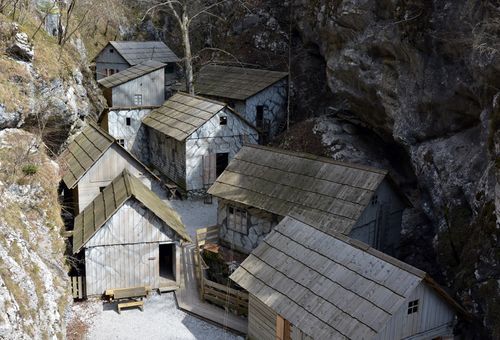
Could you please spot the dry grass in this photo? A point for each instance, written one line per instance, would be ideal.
(14, 79)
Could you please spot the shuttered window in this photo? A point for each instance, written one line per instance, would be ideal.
(237, 220)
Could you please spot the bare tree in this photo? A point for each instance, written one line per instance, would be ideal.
(185, 13)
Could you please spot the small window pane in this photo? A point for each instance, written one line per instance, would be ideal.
(412, 307)
(128, 121)
(138, 99)
(223, 120)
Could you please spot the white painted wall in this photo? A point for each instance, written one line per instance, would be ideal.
(107, 168)
(212, 138)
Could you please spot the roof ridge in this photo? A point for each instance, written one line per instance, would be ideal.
(213, 101)
(96, 127)
(366, 248)
(313, 157)
(246, 68)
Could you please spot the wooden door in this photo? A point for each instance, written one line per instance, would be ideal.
(209, 163)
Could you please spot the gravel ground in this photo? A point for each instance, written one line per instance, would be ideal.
(195, 214)
(160, 320)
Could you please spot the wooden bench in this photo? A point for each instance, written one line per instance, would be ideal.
(130, 304)
(130, 295)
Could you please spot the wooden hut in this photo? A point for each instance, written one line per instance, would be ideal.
(305, 283)
(128, 237)
(92, 160)
(191, 140)
(261, 185)
(259, 95)
(117, 56)
(138, 86)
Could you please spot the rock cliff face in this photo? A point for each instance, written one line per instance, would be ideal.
(422, 78)
(33, 278)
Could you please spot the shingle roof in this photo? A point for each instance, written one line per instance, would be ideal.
(328, 285)
(136, 52)
(104, 206)
(182, 114)
(234, 82)
(324, 192)
(83, 152)
(131, 73)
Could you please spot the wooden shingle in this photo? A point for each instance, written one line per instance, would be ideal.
(131, 73)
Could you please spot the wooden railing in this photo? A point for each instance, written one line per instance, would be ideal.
(220, 295)
(77, 288)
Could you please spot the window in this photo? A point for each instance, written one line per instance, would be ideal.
(259, 116)
(128, 121)
(374, 200)
(137, 99)
(101, 189)
(237, 220)
(169, 68)
(223, 120)
(111, 72)
(121, 142)
(111, 50)
(412, 307)
(221, 161)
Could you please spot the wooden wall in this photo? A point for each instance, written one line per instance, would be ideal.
(125, 251)
(109, 60)
(433, 319)
(110, 165)
(261, 320)
(151, 86)
(380, 223)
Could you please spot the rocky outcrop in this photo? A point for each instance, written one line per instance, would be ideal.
(423, 78)
(34, 293)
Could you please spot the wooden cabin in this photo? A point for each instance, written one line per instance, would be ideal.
(261, 185)
(191, 140)
(305, 283)
(138, 86)
(117, 56)
(127, 238)
(259, 95)
(92, 160)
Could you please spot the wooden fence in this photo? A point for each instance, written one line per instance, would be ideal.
(220, 295)
(77, 287)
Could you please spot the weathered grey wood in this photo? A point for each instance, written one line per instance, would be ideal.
(330, 286)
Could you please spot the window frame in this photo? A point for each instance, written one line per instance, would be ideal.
(223, 120)
(237, 219)
(138, 99)
(121, 142)
(413, 306)
(128, 121)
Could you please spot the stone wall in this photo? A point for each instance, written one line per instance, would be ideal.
(259, 224)
(213, 138)
(161, 150)
(274, 99)
(134, 135)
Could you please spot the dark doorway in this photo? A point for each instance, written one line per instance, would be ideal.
(259, 117)
(167, 258)
(221, 161)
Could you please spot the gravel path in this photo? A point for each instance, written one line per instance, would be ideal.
(160, 320)
(195, 214)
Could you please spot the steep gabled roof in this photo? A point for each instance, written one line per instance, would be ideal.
(83, 152)
(182, 114)
(329, 285)
(234, 82)
(323, 191)
(136, 52)
(104, 206)
(131, 73)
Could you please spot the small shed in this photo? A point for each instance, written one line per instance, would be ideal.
(117, 56)
(261, 185)
(141, 85)
(92, 160)
(259, 95)
(305, 283)
(128, 238)
(192, 139)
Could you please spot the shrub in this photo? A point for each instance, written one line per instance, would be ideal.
(30, 169)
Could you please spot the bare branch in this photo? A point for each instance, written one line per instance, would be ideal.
(206, 11)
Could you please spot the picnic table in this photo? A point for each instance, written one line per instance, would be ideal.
(128, 297)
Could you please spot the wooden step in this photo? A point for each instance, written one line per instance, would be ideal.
(130, 304)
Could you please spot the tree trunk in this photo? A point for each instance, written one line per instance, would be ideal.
(188, 58)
